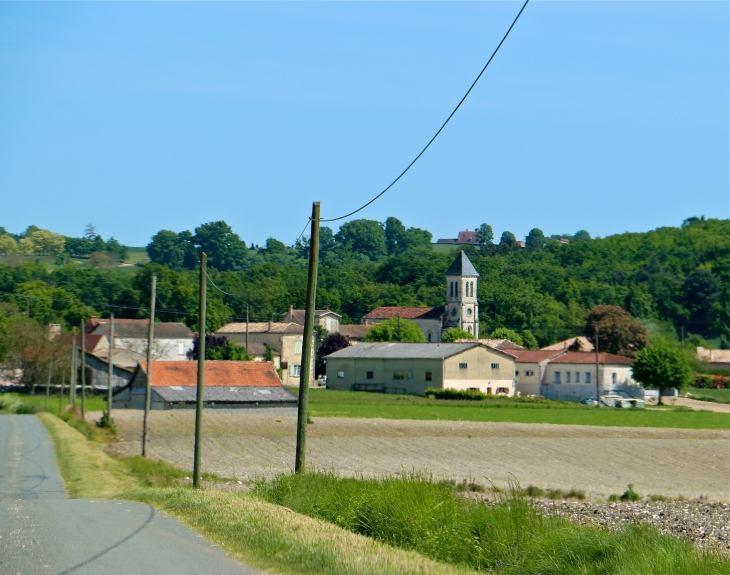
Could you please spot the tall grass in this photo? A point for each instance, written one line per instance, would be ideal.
(506, 536)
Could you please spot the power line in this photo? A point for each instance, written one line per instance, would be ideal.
(440, 129)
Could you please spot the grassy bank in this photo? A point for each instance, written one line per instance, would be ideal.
(331, 403)
(35, 403)
(264, 535)
(714, 395)
(508, 537)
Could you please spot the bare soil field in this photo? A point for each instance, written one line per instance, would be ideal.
(689, 463)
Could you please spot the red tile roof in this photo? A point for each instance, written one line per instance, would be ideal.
(590, 357)
(92, 341)
(217, 373)
(354, 331)
(531, 355)
(405, 313)
(262, 327)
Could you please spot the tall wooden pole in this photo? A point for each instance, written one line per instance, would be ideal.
(306, 370)
(247, 350)
(60, 397)
(72, 383)
(148, 386)
(598, 376)
(201, 374)
(110, 366)
(48, 381)
(83, 371)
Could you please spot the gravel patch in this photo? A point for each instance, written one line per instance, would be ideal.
(705, 524)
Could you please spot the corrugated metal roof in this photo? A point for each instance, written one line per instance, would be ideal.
(402, 350)
(227, 394)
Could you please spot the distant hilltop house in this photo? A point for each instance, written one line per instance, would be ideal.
(228, 384)
(461, 309)
(468, 237)
(172, 341)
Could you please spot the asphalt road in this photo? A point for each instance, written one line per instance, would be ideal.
(43, 532)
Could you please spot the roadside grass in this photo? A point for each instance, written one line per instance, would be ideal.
(359, 404)
(266, 536)
(507, 536)
(714, 395)
(38, 402)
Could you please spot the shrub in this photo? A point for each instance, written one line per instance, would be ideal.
(533, 491)
(454, 393)
(630, 494)
(702, 381)
(575, 494)
(614, 497)
(554, 494)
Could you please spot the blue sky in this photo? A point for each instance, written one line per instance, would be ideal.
(605, 116)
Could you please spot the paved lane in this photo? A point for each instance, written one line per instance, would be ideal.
(41, 532)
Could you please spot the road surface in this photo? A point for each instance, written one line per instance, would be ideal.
(43, 532)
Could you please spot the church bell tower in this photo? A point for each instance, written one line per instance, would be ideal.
(462, 308)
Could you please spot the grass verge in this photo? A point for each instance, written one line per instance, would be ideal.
(333, 403)
(265, 536)
(506, 537)
(714, 395)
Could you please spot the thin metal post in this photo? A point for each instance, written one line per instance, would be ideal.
(48, 381)
(306, 367)
(201, 374)
(83, 371)
(598, 377)
(110, 366)
(148, 386)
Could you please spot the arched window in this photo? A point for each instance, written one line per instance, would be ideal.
(472, 289)
(451, 289)
(428, 337)
(468, 329)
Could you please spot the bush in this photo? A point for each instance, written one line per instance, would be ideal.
(533, 491)
(702, 381)
(575, 494)
(454, 393)
(630, 494)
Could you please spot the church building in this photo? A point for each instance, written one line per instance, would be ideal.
(461, 309)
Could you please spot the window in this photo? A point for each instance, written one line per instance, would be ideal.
(577, 377)
(298, 347)
(473, 389)
(613, 377)
(462, 366)
(556, 377)
(295, 370)
(529, 372)
(495, 366)
(399, 375)
(369, 375)
(468, 329)
(428, 337)
(517, 373)
(341, 375)
(587, 378)
(504, 390)
(181, 349)
(284, 365)
(489, 391)
(451, 289)
(567, 377)
(429, 376)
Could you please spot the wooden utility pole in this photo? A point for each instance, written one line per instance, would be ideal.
(72, 383)
(398, 329)
(83, 371)
(60, 397)
(48, 381)
(247, 350)
(598, 377)
(306, 369)
(201, 373)
(110, 379)
(148, 386)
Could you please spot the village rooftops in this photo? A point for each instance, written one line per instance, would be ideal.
(354, 331)
(583, 342)
(590, 357)
(501, 344)
(262, 327)
(392, 350)
(462, 267)
(92, 342)
(533, 355)
(217, 373)
(122, 358)
(297, 315)
(387, 312)
(139, 328)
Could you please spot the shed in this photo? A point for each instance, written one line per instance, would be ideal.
(411, 368)
(228, 384)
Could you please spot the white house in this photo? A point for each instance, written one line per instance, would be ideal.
(572, 376)
(172, 341)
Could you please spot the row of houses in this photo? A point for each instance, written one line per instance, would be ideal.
(482, 366)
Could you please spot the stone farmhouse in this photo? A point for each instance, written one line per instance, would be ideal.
(228, 385)
(411, 368)
(172, 341)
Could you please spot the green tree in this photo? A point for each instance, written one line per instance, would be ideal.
(528, 340)
(661, 366)
(451, 335)
(90, 232)
(485, 234)
(702, 290)
(508, 239)
(166, 249)
(364, 237)
(229, 351)
(506, 333)
(581, 235)
(535, 240)
(618, 333)
(396, 329)
(225, 249)
(394, 233)
(8, 245)
(269, 353)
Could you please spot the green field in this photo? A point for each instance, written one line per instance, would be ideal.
(331, 403)
(93, 402)
(715, 395)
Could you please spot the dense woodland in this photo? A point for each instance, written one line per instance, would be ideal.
(673, 279)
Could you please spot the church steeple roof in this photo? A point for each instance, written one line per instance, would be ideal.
(462, 267)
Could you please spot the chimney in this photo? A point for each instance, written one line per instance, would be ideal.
(53, 330)
(291, 313)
